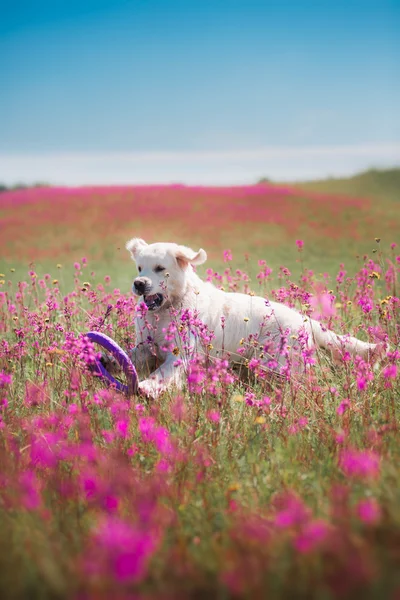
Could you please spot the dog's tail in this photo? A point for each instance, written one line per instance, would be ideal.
(339, 344)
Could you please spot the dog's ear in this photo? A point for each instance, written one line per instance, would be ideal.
(134, 245)
(186, 256)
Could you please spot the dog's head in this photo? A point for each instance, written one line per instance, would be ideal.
(162, 270)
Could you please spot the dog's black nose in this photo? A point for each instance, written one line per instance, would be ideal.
(140, 285)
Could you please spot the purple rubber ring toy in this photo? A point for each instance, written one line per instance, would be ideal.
(123, 360)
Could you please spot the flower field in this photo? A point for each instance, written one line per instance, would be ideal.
(248, 487)
(60, 225)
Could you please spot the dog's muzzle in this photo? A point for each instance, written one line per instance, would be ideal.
(141, 286)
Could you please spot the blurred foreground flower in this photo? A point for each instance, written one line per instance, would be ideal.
(363, 464)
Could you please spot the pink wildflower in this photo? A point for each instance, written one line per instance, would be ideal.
(163, 466)
(322, 306)
(132, 450)
(162, 440)
(369, 511)
(90, 486)
(361, 464)
(227, 255)
(214, 416)
(390, 372)
(30, 490)
(5, 379)
(343, 406)
(121, 427)
(108, 436)
(294, 512)
(312, 536)
(147, 426)
(110, 503)
(125, 549)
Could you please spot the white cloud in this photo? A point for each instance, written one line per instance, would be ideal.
(196, 167)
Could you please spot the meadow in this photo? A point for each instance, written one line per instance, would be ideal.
(255, 487)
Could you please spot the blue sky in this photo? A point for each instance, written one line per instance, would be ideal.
(197, 91)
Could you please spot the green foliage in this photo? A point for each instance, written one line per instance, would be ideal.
(378, 183)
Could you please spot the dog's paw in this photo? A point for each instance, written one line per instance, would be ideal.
(150, 388)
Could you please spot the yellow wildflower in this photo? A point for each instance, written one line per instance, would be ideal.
(237, 398)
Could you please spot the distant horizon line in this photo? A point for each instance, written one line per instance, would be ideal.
(197, 167)
(262, 181)
(275, 151)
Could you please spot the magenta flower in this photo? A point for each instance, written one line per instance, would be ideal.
(5, 379)
(227, 255)
(121, 427)
(312, 536)
(162, 441)
(91, 486)
(132, 450)
(361, 464)
(369, 511)
(163, 466)
(123, 549)
(323, 306)
(366, 304)
(108, 436)
(47, 449)
(390, 372)
(147, 426)
(158, 435)
(196, 378)
(30, 490)
(110, 503)
(293, 512)
(214, 416)
(343, 406)
(302, 422)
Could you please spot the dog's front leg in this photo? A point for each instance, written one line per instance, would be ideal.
(167, 375)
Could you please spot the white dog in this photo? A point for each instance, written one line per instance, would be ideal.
(168, 283)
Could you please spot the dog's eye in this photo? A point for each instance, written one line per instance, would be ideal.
(159, 269)
(140, 269)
